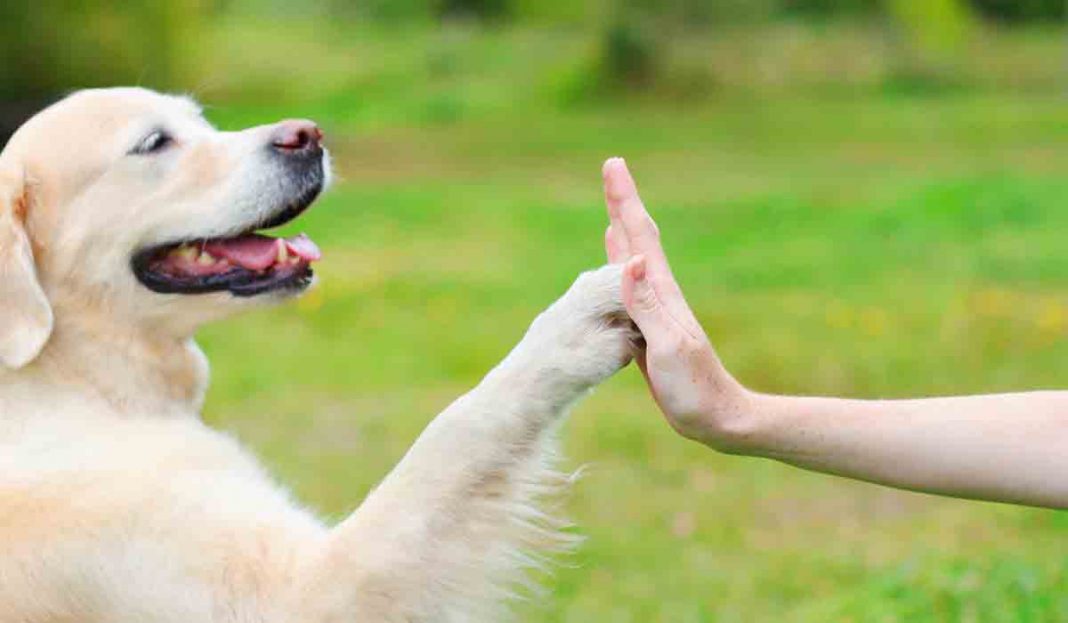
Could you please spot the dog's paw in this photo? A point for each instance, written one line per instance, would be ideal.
(587, 334)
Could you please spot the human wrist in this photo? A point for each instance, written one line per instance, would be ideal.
(730, 419)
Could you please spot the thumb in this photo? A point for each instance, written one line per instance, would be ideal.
(641, 300)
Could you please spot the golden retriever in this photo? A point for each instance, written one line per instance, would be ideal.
(126, 222)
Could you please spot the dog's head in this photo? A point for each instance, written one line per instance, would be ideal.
(128, 203)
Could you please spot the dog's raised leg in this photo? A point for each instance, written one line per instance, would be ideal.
(450, 531)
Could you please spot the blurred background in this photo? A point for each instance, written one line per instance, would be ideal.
(862, 197)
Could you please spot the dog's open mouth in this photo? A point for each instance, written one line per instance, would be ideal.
(244, 265)
(248, 263)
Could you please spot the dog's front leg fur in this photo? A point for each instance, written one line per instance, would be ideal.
(449, 533)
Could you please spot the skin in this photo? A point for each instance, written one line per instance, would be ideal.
(1004, 447)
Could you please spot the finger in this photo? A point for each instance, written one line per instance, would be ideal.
(643, 237)
(643, 303)
(640, 231)
(615, 245)
(626, 209)
(620, 244)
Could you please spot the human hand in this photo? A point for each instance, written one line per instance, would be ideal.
(695, 392)
(1001, 447)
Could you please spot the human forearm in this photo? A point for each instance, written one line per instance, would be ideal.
(1007, 447)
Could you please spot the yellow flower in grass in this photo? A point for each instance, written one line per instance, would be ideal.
(992, 302)
(1052, 319)
(874, 321)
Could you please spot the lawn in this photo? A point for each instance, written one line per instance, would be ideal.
(870, 245)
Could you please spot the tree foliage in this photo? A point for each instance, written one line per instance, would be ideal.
(1022, 10)
(46, 47)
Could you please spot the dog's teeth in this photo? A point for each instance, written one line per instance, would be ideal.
(186, 253)
(283, 251)
(206, 259)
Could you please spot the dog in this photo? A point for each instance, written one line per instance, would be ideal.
(126, 222)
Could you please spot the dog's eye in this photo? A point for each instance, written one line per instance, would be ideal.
(153, 143)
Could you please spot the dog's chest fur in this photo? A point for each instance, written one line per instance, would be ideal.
(140, 520)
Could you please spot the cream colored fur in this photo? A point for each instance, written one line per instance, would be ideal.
(117, 504)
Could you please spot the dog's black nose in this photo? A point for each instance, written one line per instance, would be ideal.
(297, 137)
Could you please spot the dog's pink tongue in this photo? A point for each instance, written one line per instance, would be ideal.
(303, 247)
(256, 252)
(253, 251)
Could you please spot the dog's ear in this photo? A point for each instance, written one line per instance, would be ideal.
(25, 313)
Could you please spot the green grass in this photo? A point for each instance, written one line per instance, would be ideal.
(871, 245)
